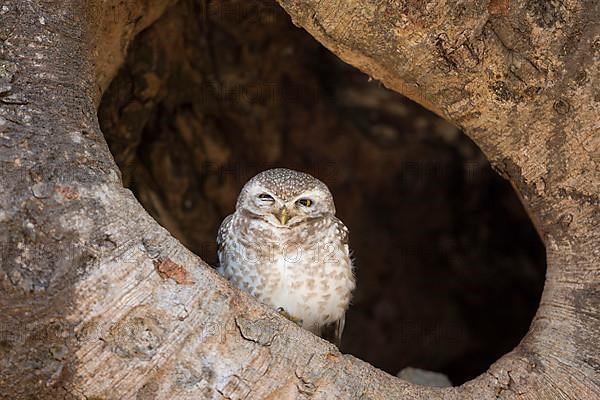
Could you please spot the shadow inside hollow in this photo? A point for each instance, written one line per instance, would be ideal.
(449, 267)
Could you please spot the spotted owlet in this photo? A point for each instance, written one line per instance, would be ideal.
(284, 245)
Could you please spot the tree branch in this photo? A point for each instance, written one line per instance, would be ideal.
(87, 314)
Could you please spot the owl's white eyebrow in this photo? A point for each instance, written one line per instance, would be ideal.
(310, 195)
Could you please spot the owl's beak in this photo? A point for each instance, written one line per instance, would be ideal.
(283, 216)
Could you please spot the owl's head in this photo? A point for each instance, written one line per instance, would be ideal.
(284, 197)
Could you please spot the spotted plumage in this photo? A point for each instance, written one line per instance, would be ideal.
(284, 245)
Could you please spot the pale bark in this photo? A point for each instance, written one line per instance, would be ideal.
(98, 301)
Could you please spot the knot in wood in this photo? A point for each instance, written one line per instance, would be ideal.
(137, 335)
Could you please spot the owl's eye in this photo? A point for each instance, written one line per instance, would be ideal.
(267, 198)
(305, 202)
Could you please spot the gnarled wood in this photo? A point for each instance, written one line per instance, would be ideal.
(520, 78)
(98, 301)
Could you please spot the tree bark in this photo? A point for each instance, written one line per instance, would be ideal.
(99, 301)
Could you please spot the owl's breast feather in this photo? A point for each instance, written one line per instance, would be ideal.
(306, 269)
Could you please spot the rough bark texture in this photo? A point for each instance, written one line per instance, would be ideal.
(446, 257)
(98, 301)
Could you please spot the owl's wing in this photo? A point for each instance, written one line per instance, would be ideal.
(333, 332)
(343, 230)
(222, 235)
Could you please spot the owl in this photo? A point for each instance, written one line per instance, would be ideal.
(285, 246)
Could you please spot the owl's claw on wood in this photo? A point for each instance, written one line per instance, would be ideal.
(284, 313)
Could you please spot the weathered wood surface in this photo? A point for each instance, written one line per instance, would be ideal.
(98, 301)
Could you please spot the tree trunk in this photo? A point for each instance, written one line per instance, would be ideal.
(99, 301)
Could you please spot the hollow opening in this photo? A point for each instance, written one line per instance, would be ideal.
(449, 267)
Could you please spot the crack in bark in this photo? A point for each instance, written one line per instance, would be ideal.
(259, 331)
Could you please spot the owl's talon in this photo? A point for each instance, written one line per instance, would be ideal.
(285, 314)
